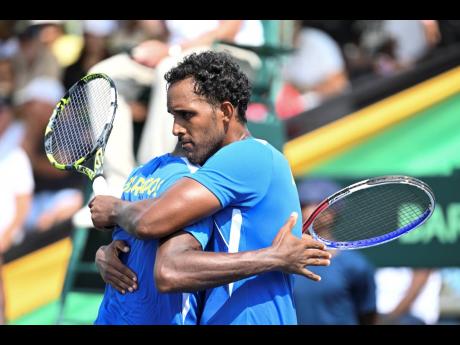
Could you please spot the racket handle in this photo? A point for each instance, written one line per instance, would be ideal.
(100, 186)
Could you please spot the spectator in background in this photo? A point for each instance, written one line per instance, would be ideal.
(397, 45)
(33, 59)
(317, 68)
(130, 33)
(16, 184)
(49, 31)
(346, 292)
(407, 296)
(411, 38)
(6, 76)
(184, 37)
(8, 41)
(58, 193)
(95, 49)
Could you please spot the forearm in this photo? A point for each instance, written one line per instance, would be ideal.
(194, 270)
(184, 203)
(181, 265)
(22, 208)
(419, 279)
(129, 216)
(333, 85)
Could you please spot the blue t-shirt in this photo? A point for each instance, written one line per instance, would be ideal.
(346, 290)
(254, 184)
(146, 305)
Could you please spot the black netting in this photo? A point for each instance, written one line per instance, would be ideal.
(81, 122)
(371, 212)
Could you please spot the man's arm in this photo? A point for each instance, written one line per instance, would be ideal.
(182, 265)
(419, 279)
(184, 203)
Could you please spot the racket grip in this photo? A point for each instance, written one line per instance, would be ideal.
(100, 186)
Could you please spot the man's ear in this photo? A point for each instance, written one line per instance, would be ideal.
(228, 110)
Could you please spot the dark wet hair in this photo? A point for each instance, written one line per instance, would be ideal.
(217, 77)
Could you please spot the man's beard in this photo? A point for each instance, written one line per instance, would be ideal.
(208, 148)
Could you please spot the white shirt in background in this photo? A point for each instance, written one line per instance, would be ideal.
(392, 284)
(15, 179)
(317, 57)
(251, 32)
(410, 39)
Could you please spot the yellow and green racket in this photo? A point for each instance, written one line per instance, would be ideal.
(79, 128)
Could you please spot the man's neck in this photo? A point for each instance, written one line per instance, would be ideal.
(239, 132)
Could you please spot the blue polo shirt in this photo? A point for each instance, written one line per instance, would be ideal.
(147, 305)
(254, 184)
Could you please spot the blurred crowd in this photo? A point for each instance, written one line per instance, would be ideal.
(40, 59)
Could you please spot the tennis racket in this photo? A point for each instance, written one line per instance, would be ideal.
(79, 128)
(371, 212)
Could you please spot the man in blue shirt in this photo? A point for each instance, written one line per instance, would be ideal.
(146, 305)
(245, 183)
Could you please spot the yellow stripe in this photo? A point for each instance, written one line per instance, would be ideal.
(35, 279)
(312, 148)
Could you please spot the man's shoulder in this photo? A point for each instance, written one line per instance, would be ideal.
(251, 147)
(167, 162)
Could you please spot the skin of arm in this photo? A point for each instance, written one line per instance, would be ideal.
(22, 208)
(156, 218)
(182, 265)
(419, 279)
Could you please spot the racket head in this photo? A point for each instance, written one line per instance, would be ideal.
(80, 125)
(371, 212)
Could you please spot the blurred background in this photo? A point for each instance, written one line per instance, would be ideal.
(344, 100)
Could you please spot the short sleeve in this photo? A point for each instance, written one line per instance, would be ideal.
(239, 173)
(201, 230)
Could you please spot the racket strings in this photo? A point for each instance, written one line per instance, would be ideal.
(81, 121)
(371, 212)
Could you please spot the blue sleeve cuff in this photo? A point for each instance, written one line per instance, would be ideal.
(201, 230)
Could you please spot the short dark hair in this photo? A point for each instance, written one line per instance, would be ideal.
(217, 77)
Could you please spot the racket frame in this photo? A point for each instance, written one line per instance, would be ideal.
(369, 183)
(99, 147)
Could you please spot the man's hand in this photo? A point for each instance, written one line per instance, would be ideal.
(102, 209)
(112, 270)
(297, 253)
(150, 53)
